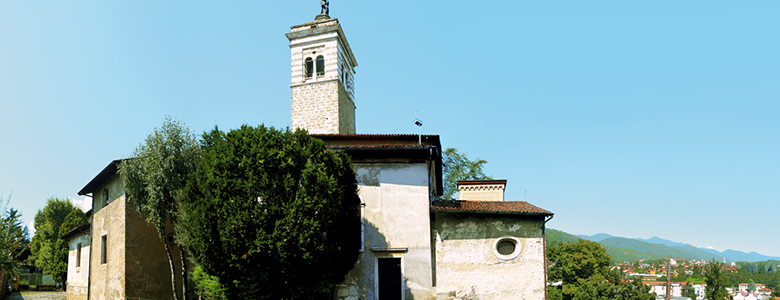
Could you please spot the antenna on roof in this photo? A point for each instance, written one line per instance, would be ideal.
(419, 127)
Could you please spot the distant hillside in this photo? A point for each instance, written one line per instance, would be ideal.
(556, 237)
(657, 240)
(627, 249)
(595, 237)
(734, 255)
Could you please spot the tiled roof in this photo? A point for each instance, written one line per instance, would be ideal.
(76, 230)
(496, 207)
(373, 141)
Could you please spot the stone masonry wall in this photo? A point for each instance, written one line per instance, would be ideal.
(346, 112)
(318, 108)
(108, 279)
(148, 270)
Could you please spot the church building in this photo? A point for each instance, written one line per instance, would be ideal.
(415, 245)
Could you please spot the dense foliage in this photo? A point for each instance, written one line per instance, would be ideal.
(208, 287)
(48, 249)
(716, 281)
(688, 291)
(457, 166)
(582, 268)
(155, 177)
(273, 214)
(14, 237)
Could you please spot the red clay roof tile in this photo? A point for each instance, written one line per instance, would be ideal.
(498, 207)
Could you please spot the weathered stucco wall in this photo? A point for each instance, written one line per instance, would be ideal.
(108, 279)
(396, 215)
(78, 276)
(467, 266)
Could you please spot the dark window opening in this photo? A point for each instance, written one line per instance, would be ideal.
(309, 67)
(103, 250)
(320, 65)
(105, 197)
(78, 255)
(506, 247)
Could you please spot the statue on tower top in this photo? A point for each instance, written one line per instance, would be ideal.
(325, 4)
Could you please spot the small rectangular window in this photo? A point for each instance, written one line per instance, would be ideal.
(103, 250)
(105, 197)
(78, 255)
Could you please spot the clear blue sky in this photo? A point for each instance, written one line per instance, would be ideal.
(634, 118)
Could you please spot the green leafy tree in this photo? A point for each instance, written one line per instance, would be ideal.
(273, 214)
(14, 237)
(696, 272)
(583, 269)
(689, 291)
(457, 166)
(74, 219)
(716, 281)
(751, 286)
(47, 247)
(573, 261)
(208, 286)
(155, 178)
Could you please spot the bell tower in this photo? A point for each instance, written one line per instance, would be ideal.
(323, 69)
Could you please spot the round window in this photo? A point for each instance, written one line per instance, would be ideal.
(507, 248)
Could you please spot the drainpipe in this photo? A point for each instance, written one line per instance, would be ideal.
(544, 245)
(91, 227)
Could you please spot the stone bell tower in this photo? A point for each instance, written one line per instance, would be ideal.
(323, 68)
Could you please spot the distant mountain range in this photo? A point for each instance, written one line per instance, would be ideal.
(627, 249)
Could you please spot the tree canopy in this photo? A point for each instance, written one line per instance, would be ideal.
(688, 291)
(48, 249)
(457, 166)
(14, 236)
(716, 281)
(272, 213)
(582, 268)
(155, 177)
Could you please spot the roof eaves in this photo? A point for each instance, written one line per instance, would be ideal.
(104, 175)
(76, 230)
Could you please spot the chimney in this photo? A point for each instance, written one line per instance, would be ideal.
(481, 190)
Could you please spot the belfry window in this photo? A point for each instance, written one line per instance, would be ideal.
(309, 66)
(320, 65)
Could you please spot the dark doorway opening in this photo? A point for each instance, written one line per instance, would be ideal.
(390, 279)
